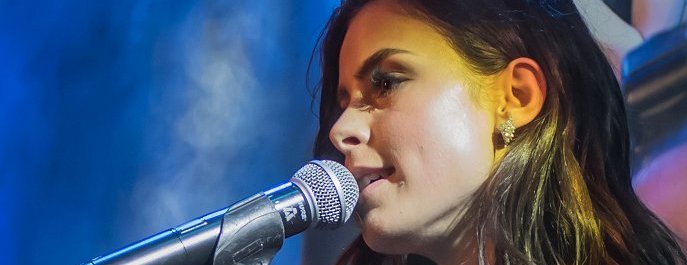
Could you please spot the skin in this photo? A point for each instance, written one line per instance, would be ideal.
(427, 132)
(651, 17)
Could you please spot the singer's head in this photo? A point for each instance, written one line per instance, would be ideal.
(418, 99)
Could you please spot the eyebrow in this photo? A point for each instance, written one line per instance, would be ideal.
(376, 58)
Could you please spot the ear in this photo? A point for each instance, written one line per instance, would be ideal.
(522, 92)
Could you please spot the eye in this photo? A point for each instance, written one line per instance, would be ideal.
(384, 82)
(342, 98)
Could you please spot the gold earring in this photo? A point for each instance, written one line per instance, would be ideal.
(507, 130)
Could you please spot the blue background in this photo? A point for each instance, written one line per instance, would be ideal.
(119, 119)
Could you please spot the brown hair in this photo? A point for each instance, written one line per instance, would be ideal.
(562, 193)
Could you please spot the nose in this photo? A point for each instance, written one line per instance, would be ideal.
(351, 130)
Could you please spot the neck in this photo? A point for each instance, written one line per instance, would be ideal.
(463, 251)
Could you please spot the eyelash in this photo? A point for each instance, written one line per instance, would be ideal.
(385, 82)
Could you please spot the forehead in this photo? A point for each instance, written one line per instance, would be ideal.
(385, 24)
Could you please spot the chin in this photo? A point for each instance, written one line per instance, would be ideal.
(386, 242)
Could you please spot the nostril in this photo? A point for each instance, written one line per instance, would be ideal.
(351, 141)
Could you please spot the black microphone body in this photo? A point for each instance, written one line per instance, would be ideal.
(252, 230)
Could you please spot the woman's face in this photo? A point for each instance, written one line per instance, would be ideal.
(413, 136)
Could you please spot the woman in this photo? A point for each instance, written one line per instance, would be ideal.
(481, 131)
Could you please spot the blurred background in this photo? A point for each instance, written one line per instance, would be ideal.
(119, 119)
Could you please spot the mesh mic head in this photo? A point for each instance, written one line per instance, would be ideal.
(332, 188)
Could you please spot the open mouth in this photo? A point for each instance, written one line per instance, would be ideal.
(375, 178)
(369, 179)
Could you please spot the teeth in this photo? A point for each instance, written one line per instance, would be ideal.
(369, 179)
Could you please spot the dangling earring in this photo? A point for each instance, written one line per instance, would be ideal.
(507, 130)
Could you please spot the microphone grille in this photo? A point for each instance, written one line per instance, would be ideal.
(334, 190)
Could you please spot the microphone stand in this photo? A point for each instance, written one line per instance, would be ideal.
(246, 233)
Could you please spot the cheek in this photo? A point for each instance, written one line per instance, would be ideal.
(459, 154)
(443, 140)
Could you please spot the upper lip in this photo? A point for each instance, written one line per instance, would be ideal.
(360, 172)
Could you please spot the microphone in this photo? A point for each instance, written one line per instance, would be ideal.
(322, 194)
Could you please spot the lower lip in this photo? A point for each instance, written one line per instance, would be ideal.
(370, 188)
